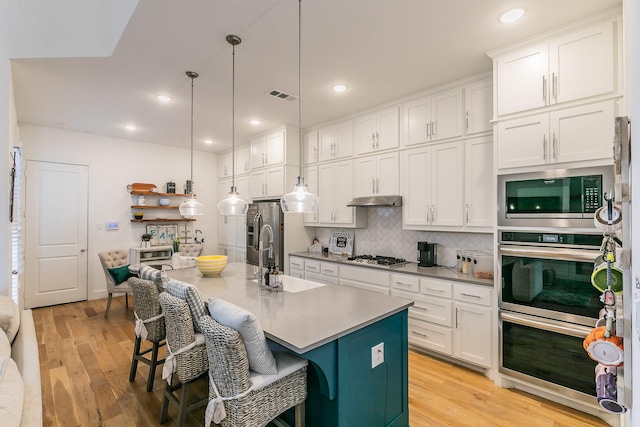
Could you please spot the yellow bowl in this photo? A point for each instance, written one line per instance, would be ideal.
(211, 265)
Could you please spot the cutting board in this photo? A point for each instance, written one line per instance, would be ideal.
(141, 188)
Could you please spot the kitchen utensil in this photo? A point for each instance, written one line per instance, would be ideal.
(599, 278)
(482, 265)
(141, 188)
(428, 254)
(171, 187)
(138, 215)
(606, 350)
(164, 201)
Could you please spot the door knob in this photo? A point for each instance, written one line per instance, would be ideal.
(83, 250)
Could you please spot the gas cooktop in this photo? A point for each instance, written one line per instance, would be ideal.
(378, 261)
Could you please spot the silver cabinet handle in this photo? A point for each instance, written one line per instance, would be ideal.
(544, 89)
(467, 213)
(433, 213)
(377, 141)
(428, 215)
(456, 317)
(417, 307)
(466, 118)
(544, 147)
(377, 185)
(373, 185)
(428, 130)
(554, 83)
(315, 153)
(433, 129)
(373, 140)
(419, 333)
(403, 284)
(435, 290)
(470, 295)
(553, 145)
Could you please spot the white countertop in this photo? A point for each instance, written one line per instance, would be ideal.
(305, 314)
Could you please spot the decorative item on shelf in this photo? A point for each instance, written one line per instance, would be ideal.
(164, 201)
(142, 188)
(300, 200)
(146, 240)
(141, 200)
(176, 245)
(191, 207)
(233, 204)
(138, 215)
(171, 187)
(162, 235)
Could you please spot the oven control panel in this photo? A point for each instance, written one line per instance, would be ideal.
(551, 239)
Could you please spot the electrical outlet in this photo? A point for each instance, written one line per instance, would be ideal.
(377, 355)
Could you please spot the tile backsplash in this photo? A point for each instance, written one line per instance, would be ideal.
(385, 236)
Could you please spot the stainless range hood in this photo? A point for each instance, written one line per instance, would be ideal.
(376, 201)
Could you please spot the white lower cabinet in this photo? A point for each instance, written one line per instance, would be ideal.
(316, 271)
(448, 317)
(230, 251)
(365, 278)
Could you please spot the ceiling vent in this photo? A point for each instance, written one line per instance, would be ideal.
(281, 95)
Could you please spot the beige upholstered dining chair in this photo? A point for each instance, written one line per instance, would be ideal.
(112, 260)
(149, 327)
(186, 356)
(190, 249)
(239, 397)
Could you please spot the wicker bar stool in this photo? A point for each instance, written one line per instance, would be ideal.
(242, 398)
(186, 356)
(149, 326)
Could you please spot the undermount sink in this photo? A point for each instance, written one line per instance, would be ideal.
(294, 284)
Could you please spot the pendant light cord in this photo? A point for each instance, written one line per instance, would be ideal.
(233, 119)
(299, 91)
(191, 188)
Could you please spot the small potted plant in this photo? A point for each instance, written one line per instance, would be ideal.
(146, 240)
(176, 245)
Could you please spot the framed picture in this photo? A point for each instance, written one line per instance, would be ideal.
(162, 235)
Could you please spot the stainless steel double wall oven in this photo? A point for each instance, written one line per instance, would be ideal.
(547, 248)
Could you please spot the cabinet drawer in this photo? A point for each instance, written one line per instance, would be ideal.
(405, 282)
(329, 269)
(296, 272)
(313, 266)
(367, 275)
(436, 287)
(320, 278)
(296, 263)
(429, 336)
(429, 309)
(366, 286)
(474, 294)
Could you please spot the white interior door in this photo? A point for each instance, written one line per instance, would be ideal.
(56, 233)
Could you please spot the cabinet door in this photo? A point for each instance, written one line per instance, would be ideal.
(582, 133)
(447, 184)
(328, 183)
(311, 179)
(344, 192)
(416, 118)
(365, 176)
(472, 335)
(480, 207)
(326, 143)
(344, 139)
(310, 154)
(258, 152)
(478, 102)
(243, 160)
(366, 133)
(522, 79)
(275, 181)
(275, 148)
(243, 185)
(582, 63)
(523, 142)
(388, 179)
(446, 115)
(257, 184)
(388, 131)
(229, 251)
(415, 173)
(224, 165)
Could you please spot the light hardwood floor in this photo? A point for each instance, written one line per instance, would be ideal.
(85, 361)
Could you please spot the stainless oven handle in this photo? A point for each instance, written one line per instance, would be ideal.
(566, 254)
(546, 325)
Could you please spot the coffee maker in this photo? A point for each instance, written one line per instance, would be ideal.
(428, 256)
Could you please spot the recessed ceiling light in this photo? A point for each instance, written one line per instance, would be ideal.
(63, 124)
(131, 127)
(163, 98)
(511, 15)
(339, 88)
(255, 122)
(208, 141)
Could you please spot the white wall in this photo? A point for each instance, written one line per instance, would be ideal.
(114, 164)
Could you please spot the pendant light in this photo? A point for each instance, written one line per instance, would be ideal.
(191, 207)
(300, 200)
(233, 204)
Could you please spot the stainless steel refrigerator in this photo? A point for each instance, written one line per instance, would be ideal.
(259, 214)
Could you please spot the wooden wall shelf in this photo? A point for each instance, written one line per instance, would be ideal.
(164, 220)
(151, 193)
(153, 207)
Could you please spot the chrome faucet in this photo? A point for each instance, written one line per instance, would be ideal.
(266, 227)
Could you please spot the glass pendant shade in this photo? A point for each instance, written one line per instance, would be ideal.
(191, 207)
(300, 200)
(233, 204)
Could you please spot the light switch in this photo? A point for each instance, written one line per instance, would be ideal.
(113, 225)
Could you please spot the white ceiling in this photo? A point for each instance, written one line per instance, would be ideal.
(382, 49)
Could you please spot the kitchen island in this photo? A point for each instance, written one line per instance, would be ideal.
(336, 329)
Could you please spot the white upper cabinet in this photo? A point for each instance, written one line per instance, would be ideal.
(569, 67)
(573, 134)
(311, 179)
(225, 162)
(378, 131)
(480, 187)
(335, 181)
(478, 107)
(243, 160)
(310, 148)
(275, 148)
(377, 175)
(336, 141)
(432, 118)
(432, 186)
